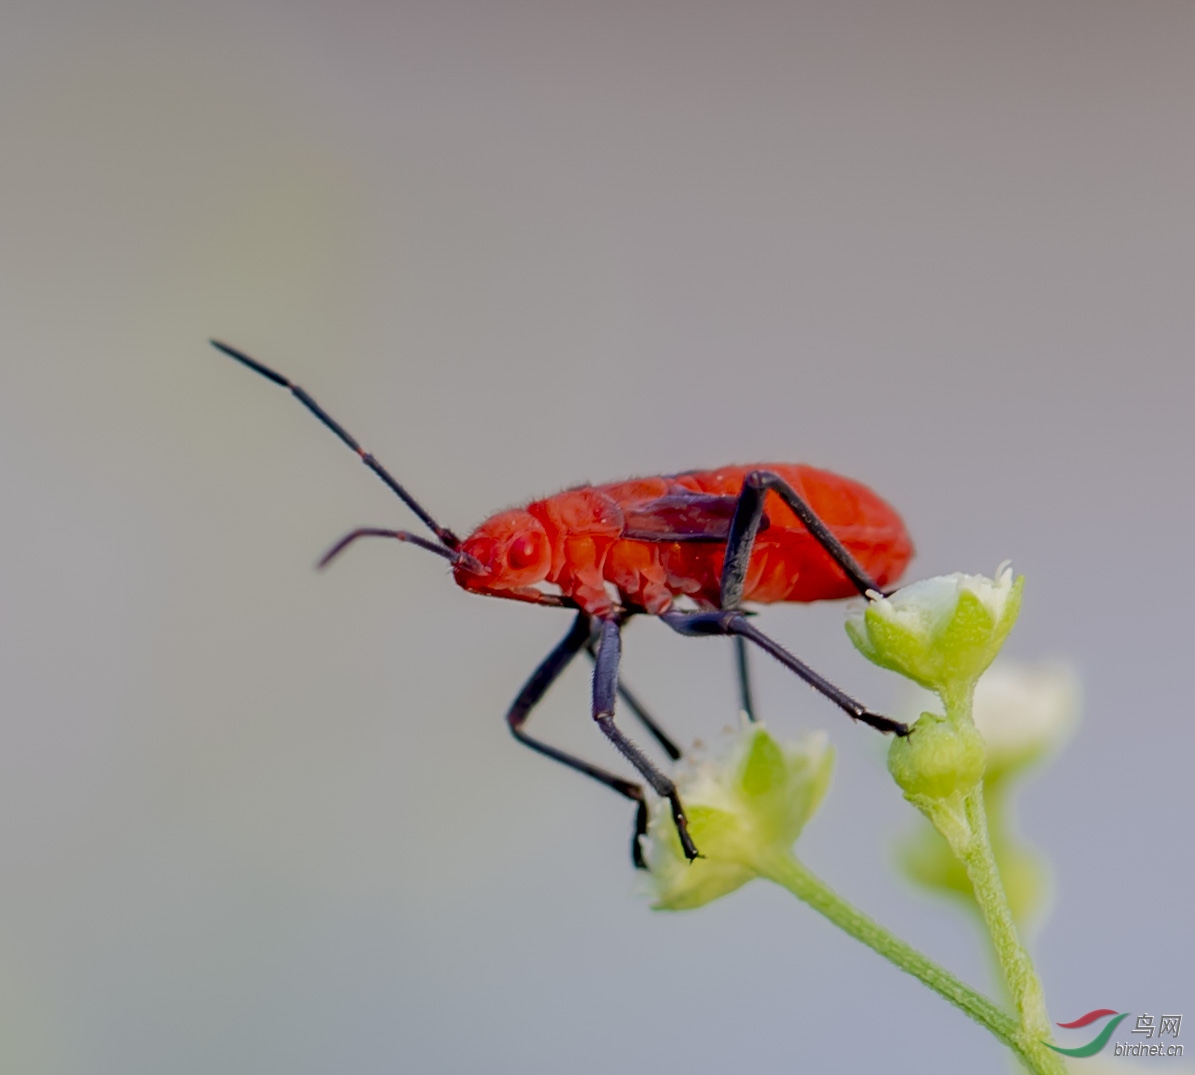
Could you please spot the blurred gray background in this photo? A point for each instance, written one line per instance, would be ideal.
(257, 819)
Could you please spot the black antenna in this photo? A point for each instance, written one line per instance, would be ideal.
(446, 536)
(454, 557)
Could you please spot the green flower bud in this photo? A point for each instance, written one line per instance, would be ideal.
(941, 632)
(1024, 713)
(745, 802)
(937, 758)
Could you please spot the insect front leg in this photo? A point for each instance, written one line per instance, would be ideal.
(533, 691)
(666, 742)
(605, 691)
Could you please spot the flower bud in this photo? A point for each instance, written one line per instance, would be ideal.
(941, 632)
(1024, 712)
(748, 800)
(937, 758)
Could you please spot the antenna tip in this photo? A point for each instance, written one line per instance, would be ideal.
(252, 363)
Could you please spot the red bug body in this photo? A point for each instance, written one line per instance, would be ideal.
(656, 539)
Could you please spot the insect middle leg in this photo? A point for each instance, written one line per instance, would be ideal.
(743, 667)
(533, 691)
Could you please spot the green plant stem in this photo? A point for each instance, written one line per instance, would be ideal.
(785, 870)
(969, 840)
(1020, 976)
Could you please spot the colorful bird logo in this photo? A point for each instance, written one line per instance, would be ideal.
(1100, 1040)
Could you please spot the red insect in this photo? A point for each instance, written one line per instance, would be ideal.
(716, 538)
(653, 540)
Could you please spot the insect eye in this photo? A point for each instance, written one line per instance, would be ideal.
(524, 551)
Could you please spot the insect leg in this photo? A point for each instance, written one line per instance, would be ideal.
(745, 525)
(667, 743)
(535, 688)
(735, 623)
(605, 690)
(744, 669)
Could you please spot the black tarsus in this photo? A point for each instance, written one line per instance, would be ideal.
(446, 536)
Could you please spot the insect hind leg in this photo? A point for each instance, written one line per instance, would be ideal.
(734, 623)
(745, 526)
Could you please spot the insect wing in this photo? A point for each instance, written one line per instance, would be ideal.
(681, 515)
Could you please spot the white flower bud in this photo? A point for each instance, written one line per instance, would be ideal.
(1024, 711)
(941, 632)
(748, 800)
